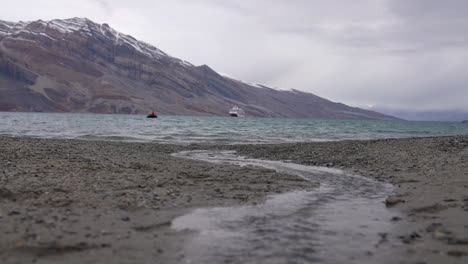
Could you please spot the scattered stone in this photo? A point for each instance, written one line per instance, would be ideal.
(53, 247)
(125, 219)
(442, 235)
(152, 226)
(383, 239)
(393, 200)
(60, 190)
(457, 253)
(457, 241)
(5, 193)
(433, 227)
(410, 238)
(13, 213)
(406, 181)
(396, 218)
(435, 208)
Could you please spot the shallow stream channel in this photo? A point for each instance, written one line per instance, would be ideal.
(342, 221)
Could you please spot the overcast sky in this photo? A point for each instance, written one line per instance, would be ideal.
(409, 54)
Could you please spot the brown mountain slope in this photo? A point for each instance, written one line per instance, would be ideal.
(76, 65)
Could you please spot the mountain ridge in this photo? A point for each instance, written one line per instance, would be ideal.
(77, 65)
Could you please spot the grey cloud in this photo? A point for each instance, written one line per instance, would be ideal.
(429, 9)
(104, 5)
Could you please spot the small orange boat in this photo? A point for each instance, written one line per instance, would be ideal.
(152, 115)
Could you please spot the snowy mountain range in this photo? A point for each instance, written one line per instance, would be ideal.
(77, 65)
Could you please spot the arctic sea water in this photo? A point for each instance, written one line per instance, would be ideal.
(216, 130)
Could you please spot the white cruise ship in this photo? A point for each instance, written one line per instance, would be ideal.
(236, 112)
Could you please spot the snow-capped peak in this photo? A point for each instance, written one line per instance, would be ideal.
(69, 25)
(86, 27)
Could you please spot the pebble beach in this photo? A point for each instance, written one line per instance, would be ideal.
(81, 201)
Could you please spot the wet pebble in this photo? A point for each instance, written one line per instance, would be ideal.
(457, 253)
(433, 227)
(393, 200)
(407, 239)
(11, 213)
(449, 200)
(457, 241)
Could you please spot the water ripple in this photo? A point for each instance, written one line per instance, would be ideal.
(226, 130)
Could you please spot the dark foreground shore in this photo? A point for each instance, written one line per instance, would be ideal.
(108, 202)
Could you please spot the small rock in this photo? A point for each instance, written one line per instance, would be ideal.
(125, 219)
(457, 253)
(457, 241)
(431, 209)
(449, 200)
(393, 200)
(5, 193)
(442, 235)
(13, 213)
(383, 235)
(433, 227)
(410, 238)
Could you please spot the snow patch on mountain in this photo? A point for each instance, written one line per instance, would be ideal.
(86, 27)
(256, 85)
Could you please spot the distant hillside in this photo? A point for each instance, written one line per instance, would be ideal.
(76, 65)
(435, 115)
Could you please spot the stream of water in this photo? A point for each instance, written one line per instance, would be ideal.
(339, 222)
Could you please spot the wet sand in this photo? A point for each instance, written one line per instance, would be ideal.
(91, 201)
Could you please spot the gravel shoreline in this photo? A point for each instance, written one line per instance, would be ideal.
(85, 201)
